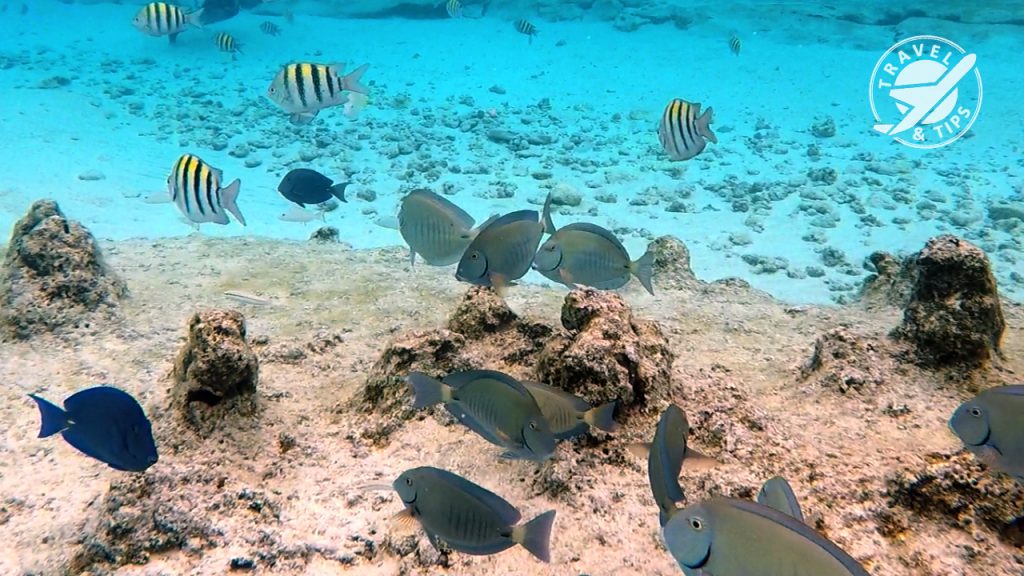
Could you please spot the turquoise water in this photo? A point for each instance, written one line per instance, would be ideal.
(96, 113)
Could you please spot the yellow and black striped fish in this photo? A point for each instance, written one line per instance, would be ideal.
(195, 188)
(227, 43)
(454, 8)
(525, 27)
(304, 89)
(270, 28)
(163, 19)
(684, 130)
(735, 45)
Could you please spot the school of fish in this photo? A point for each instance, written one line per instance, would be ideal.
(718, 536)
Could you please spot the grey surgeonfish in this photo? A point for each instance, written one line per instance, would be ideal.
(992, 426)
(468, 517)
(434, 227)
(569, 415)
(195, 188)
(778, 494)
(665, 461)
(587, 254)
(726, 537)
(492, 404)
(105, 423)
(684, 131)
(504, 249)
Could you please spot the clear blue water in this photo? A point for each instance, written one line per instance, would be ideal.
(85, 95)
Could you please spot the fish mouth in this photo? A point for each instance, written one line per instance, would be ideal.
(703, 560)
(409, 502)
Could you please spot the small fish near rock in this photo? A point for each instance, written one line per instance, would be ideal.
(104, 423)
(587, 254)
(195, 188)
(468, 517)
(492, 404)
(991, 425)
(435, 228)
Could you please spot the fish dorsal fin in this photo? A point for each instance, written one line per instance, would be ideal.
(576, 402)
(598, 231)
(1009, 390)
(790, 523)
(459, 379)
(512, 218)
(507, 512)
(776, 489)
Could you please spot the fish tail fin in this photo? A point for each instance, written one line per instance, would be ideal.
(643, 269)
(535, 535)
(54, 418)
(601, 417)
(229, 198)
(704, 124)
(351, 80)
(194, 18)
(545, 217)
(666, 514)
(338, 191)
(427, 391)
(639, 449)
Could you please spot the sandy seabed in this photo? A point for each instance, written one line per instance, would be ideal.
(284, 488)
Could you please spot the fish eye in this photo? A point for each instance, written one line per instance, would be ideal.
(696, 524)
(475, 256)
(533, 425)
(408, 481)
(976, 412)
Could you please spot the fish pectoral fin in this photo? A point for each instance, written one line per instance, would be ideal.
(516, 455)
(500, 283)
(404, 521)
(302, 118)
(567, 278)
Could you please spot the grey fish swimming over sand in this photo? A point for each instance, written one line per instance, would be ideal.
(684, 131)
(304, 89)
(105, 423)
(778, 494)
(494, 405)
(435, 228)
(163, 19)
(468, 517)
(305, 186)
(195, 188)
(665, 461)
(569, 415)
(504, 249)
(992, 426)
(725, 536)
(589, 255)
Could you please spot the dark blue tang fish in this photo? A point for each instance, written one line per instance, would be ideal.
(105, 423)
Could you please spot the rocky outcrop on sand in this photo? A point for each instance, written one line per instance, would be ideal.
(215, 371)
(954, 316)
(844, 361)
(54, 276)
(892, 284)
(602, 354)
(672, 263)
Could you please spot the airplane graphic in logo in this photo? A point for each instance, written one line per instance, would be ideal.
(923, 98)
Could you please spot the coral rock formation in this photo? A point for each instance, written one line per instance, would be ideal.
(216, 364)
(954, 316)
(671, 263)
(607, 354)
(846, 361)
(53, 275)
(960, 492)
(892, 284)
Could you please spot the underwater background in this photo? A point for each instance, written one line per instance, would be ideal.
(779, 221)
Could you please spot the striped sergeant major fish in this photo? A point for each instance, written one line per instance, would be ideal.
(269, 28)
(227, 43)
(526, 27)
(684, 130)
(195, 188)
(454, 8)
(304, 89)
(163, 19)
